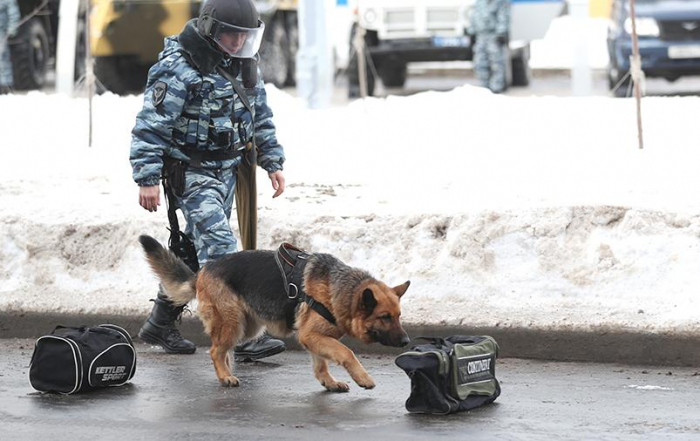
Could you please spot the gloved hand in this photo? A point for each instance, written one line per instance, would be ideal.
(502, 39)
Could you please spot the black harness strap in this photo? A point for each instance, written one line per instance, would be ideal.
(291, 261)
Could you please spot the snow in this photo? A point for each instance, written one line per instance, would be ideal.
(648, 387)
(539, 212)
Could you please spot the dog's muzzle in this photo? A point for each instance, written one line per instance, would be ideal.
(389, 339)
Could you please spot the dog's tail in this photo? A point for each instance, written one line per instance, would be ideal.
(175, 276)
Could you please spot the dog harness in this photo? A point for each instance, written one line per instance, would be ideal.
(291, 261)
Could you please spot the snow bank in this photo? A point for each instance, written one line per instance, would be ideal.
(538, 212)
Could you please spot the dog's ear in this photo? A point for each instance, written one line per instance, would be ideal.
(401, 289)
(368, 301)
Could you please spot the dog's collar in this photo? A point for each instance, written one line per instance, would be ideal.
(291, 261)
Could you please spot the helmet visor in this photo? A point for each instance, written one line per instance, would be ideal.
(237, 41)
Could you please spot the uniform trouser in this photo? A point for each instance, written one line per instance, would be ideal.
(5, 63)
(490, 62)
(206, 205)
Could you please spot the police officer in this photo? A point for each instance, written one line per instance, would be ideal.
(490, 26)
(9, 19)
(193, 115)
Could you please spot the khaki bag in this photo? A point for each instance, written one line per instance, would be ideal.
(451, 374)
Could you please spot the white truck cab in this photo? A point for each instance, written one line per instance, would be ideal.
(398, 32)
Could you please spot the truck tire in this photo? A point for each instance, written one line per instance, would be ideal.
(80, 50)
(520, 67)
(30, 54)
(274, 54)
(120, 75)
(393, 74)
(353, 71)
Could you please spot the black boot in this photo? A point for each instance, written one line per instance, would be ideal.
(160, 329)
(263, 346)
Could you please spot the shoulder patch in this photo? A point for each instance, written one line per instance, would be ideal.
(159, 90)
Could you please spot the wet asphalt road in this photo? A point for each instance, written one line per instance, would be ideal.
(178, 397)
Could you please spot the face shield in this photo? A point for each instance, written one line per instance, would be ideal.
(236, 41)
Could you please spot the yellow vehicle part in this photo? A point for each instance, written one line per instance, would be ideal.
(288, 5)
(136, 28)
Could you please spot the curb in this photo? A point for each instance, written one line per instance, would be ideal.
(601, 345)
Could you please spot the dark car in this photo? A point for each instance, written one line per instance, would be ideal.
(669, 40)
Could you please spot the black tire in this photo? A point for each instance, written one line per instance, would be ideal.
(80, 51)
(520, 68)
(120, 75)
(274, 54)
(354, 71)
(30, 54)
(393, 74)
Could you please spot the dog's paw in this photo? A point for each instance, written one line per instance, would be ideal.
(337, 386)
(365, 381)
(230, 381)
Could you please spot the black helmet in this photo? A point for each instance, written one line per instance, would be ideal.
(234, 25)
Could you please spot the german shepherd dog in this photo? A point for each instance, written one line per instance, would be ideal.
(240, 294)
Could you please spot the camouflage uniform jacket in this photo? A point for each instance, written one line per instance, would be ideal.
(490, 17)
(188, 105)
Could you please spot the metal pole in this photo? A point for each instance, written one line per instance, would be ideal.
(314, 59)
(636, 69)
(581, 83)
(89, 72)
(359, 44)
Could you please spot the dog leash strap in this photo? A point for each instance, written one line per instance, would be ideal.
(172, 215)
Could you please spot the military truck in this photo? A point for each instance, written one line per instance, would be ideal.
(33, 49)
(398, 32)
(126, 37)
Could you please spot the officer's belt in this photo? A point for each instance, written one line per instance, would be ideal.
(198, 156)
(291, 262)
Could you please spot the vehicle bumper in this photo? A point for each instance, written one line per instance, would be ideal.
(656, 61)
(418, 50)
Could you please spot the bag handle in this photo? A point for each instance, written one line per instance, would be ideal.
(437, 341)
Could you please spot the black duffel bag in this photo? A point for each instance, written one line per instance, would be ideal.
(78, 359)
(451, 374)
